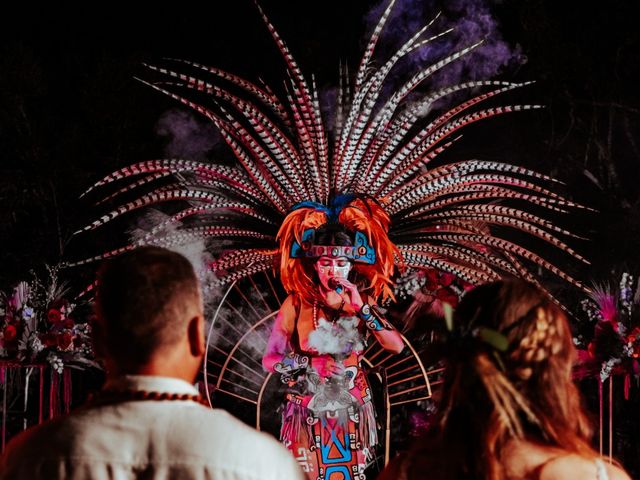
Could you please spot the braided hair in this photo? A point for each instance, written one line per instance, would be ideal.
(493, 395)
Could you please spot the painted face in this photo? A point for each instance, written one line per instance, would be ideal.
(330, 267)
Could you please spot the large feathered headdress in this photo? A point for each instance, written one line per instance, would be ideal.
(440, 218)
(358, 214)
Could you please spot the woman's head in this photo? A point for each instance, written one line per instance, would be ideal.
(327, 267)
(354, 216)
(537, 331)
(332, 268)
(496, 390)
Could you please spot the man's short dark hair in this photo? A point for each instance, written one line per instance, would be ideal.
(144, 299)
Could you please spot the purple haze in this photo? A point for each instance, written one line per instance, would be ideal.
(187, 136)
(472, 21)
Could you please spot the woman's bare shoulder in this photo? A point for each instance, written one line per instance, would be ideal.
(575, 466)
(523, 459)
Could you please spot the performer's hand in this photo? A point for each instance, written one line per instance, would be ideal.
(327, 366)
(351, 295)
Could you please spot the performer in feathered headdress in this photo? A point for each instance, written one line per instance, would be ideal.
(337, 218)
(336, 261)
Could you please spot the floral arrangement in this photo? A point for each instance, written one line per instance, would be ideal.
(614, 347)
(37, 323)
(434, 287)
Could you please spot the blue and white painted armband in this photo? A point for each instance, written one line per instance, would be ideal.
(373, 318)
(291, 363)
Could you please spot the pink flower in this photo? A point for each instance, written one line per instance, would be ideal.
(48, 339)
(607, 304)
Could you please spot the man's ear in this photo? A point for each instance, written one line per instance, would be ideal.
(196, 336)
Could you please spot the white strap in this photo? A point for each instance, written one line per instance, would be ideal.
(602, 470)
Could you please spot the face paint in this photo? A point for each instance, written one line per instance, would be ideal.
(329, 267)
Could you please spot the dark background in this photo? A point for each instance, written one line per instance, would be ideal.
(71, 110)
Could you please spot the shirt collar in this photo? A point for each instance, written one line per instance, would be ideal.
(151, 383)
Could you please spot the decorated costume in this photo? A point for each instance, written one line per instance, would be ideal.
(321, 331)
(371, 175)
(328, 421)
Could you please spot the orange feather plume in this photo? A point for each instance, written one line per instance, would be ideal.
(361, 214)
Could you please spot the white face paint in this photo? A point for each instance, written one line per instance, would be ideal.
(330, 267)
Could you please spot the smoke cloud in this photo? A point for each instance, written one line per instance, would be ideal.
(340, 338)
(472, 21)
(187, 136)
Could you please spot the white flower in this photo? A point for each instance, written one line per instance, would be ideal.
(607, 367)
(56, 362)
(35, 344)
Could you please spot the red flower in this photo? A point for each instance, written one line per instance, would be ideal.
(48, 339)
(54, 315)
(65, 341)
(446, 295)
(431, 280)
(59, 304)
(68, 323)
(10, 333)
(447, 279)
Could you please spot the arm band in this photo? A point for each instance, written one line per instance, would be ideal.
(291, 363)
(373, 318)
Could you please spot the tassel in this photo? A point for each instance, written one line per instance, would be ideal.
(41, 394)
(66, 390)
(601, 409)
(295, 425)
(367, 428)
(627, 386)
(4, 406)
(54, 409)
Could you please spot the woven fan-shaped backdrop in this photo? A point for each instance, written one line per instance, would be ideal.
(235, 379)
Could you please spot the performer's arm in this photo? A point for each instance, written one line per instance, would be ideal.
(388, 337)
(278, 356)
(386, 334)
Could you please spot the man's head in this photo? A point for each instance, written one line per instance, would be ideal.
(149, 314)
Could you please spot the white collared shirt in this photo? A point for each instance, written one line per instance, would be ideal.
(147, 439)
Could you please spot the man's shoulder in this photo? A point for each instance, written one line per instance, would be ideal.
(32, 443)
(49, 432)
(220, 440)
(158, 434)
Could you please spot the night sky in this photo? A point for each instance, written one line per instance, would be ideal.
(72, 112)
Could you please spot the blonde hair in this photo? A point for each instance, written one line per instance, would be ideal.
(492, 396)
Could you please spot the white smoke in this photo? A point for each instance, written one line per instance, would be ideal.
(195, 249)
(339, 338)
